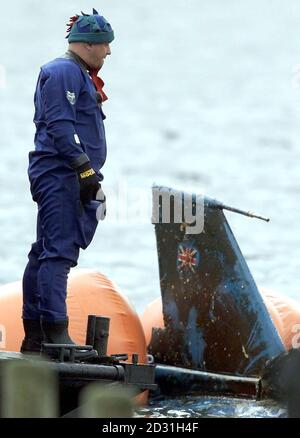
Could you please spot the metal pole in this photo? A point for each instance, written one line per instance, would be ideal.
(101, 335)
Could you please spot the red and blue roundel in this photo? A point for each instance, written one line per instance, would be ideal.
(188, 258)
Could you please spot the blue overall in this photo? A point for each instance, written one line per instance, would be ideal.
(69, 122)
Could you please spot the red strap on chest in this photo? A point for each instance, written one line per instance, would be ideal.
(99, 84)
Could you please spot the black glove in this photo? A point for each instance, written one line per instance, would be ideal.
(89, 181)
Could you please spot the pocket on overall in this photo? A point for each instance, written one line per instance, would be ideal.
(89, 222)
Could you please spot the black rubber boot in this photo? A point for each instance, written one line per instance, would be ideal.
(56, 332)
(33, 337)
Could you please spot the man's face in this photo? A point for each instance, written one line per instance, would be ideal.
(97, 54)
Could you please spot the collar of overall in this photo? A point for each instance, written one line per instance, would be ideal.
(97, 81)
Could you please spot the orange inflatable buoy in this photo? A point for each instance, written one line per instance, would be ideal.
(11, 327)
(284, 311)
(152, 318)
(89, 292)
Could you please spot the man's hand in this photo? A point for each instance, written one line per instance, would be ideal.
(101, 210)
(88, 182)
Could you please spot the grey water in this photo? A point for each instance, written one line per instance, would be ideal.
(214, 407)
(203, 96)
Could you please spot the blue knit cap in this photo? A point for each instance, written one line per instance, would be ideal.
(89, 29)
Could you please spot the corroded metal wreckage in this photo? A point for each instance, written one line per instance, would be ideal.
(216, 323)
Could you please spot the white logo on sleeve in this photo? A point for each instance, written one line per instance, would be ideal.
(71, 97)
(76, 138)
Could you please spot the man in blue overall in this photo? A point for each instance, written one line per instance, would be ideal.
(64, 174)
